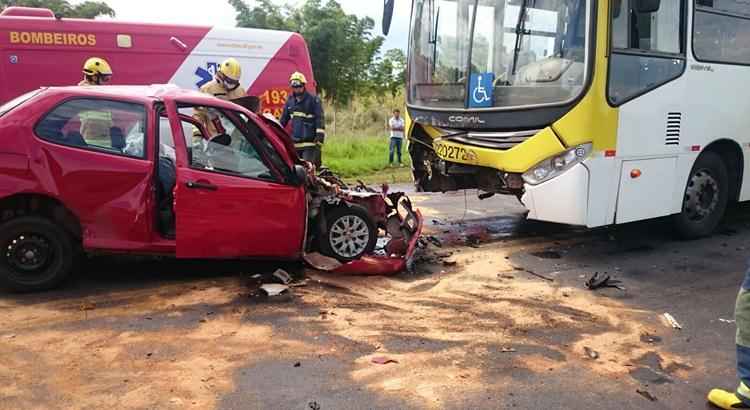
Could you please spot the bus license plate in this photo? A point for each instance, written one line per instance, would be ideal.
(456, 153)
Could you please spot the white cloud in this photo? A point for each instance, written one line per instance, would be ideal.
(220, 13)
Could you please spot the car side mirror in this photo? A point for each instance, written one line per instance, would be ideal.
(387, 15)
(647, 6)
(300, 174)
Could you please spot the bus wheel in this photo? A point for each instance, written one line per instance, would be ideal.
(706, 196)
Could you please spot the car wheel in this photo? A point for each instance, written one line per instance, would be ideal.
(349, 234)
(35, 254)
(706, 197)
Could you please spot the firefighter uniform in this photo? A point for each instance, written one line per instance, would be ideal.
(740, 398)
(215, 88)
(308, 125)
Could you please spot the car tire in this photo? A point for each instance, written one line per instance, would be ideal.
(705, 199)
(35, 254)
(349, 233)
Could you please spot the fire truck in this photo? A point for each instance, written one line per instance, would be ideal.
(39, 49)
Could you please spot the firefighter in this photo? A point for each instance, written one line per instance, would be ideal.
(225, 86)
(96, 71)
(305, 111)
(740, 398)
(96, 125)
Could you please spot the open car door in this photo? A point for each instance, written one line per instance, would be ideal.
(230, 200)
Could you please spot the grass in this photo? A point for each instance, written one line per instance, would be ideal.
(364, 158)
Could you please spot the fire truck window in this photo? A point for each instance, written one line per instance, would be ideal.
(226, 148)
(112, 127)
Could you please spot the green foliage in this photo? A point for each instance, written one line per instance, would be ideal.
(353, 157)
(342, 47)
(63, 8)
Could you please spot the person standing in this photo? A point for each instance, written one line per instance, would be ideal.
(396, 127)
(305, 112)
(740, 398)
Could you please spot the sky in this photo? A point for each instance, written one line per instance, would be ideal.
(220, 13)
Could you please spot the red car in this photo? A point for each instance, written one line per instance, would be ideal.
(165, 171)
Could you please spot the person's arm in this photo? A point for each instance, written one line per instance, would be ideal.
(320, 122)
(285, 115)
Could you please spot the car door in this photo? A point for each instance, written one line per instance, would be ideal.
(230, 201)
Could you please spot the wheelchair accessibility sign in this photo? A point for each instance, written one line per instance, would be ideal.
(481, 89)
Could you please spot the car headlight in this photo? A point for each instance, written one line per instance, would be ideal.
(554, 166)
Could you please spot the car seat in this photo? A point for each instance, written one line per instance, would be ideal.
(75, 139)
(117, 138)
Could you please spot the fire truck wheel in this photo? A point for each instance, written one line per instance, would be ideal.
(35, 254)
(706, 197)
(349, 234)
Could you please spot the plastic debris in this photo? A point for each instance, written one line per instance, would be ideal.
(321, 262)
(646, 395)
(672, 321)
(274, 289)
(727, 320)
(507, 350)
(283, 276)
(591, 353)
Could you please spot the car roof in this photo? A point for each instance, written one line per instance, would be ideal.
(144, 93)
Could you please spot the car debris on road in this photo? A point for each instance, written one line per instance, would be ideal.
(671, 321)
(599, 281)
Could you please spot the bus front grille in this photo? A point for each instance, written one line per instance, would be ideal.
(494, 140)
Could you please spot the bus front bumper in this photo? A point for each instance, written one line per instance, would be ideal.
(563, 199)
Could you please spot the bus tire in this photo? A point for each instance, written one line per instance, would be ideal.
(36, 254)
(705, 199)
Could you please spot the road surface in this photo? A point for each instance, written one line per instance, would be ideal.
(498, 317)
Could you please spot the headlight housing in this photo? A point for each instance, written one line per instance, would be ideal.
(554, 166)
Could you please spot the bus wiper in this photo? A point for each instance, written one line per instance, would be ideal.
(434, 39)
(520, 31)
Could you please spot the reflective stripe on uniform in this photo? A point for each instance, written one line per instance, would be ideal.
(302, 114)
(320, 131)
(743, 393)
(305, 144)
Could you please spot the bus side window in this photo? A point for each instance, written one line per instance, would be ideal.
(647, 48)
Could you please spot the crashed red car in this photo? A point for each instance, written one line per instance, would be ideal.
(135, 170)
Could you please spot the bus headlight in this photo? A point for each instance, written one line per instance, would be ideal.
(554, 166)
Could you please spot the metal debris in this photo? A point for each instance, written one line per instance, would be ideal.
(274, 289)
(599, 281)
(507, 350)
(672, 321)
(727, 321)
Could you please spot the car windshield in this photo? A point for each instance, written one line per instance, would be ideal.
(8, 106)
(520, 53)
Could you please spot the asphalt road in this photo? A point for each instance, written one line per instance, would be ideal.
(497, 317)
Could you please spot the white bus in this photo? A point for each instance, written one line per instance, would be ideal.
(592, 112)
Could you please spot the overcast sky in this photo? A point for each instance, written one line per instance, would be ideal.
(220, 13)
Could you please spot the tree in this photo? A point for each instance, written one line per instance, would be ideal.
(264, 15)
(342, 46)
(63, 8)
(388, 73)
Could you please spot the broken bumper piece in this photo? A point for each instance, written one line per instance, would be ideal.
(401, 226)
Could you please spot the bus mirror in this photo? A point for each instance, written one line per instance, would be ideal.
(387, 15)
(616, 8)
(647, 6)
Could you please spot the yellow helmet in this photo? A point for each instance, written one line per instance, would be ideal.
(96, 66)
(231, 69)
(297, 78)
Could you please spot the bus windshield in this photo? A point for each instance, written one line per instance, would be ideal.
(520, 53)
